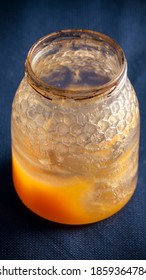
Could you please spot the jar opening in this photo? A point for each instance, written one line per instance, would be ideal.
(75, 64)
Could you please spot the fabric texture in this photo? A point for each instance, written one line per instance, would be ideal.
(24, 235)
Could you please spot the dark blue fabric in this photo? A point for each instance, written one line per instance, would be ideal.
(24, 235)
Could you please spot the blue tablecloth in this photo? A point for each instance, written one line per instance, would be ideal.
(24, 235)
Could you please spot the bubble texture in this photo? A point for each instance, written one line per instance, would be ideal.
(75, 130)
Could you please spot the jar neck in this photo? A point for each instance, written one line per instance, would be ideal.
(107, 53)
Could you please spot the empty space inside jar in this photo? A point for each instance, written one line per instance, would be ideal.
(76, 61)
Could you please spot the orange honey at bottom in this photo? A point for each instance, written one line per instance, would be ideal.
(63, 200)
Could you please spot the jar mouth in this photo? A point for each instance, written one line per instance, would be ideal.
(76, 64)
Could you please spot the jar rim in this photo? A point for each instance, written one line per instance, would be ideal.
(50, 91)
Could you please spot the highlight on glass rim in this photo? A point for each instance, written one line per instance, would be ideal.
(75, 129)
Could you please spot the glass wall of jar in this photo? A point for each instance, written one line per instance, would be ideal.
(75, 129)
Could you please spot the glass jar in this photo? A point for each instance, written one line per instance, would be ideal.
(75, 129)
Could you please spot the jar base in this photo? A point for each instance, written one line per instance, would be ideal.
(57, 206)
